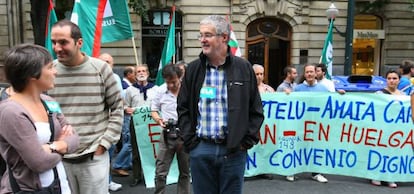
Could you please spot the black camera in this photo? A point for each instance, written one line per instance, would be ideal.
(171, 124)
(171, 128)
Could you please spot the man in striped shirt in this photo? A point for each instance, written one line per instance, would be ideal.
(90, 100)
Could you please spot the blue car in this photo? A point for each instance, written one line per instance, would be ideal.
(359, 83)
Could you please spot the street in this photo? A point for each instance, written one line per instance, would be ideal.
(336, 185)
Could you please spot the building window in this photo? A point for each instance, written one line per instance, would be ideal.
(366, 45)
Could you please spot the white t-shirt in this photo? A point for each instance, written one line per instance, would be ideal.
(47, 177)
(328, 84)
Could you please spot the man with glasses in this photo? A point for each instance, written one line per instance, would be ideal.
(219, 112)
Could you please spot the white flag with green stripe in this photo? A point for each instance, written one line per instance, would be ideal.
(327, 51)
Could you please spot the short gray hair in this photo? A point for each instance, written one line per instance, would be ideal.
(219, 22)
(258, 66)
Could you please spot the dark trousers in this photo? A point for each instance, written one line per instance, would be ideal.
(166, 151)
(136, 160)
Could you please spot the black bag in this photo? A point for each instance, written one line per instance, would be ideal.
(54, 187)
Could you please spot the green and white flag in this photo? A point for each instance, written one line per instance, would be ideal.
(327, 51)
(101, 21)
(168, 51)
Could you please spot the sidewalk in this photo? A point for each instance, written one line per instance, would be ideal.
(336, 185)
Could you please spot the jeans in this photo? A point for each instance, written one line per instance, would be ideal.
(214, 171)
(111, 153)
(124, 158)
(137, 173)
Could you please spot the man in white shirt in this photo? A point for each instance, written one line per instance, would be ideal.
(321, 77)
(170, 143)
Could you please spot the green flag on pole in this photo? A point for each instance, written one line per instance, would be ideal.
(101, 21)
(51, 19)
(169, 49)
(327, 51)
(116, 24)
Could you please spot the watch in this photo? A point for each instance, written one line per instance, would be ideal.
(53, 148)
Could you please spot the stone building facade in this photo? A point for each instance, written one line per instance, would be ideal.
(273, 33)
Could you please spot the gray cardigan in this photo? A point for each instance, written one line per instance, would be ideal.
(20, 147)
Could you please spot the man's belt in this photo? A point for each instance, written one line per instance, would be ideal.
(79, 159)
(214, 141)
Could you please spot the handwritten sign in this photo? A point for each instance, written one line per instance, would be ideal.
(357, 134)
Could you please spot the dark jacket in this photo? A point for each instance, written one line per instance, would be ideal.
(245, 111)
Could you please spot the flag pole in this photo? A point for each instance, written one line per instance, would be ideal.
(135, 50)
(168, 51)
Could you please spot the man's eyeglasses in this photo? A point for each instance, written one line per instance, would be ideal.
(207, 36)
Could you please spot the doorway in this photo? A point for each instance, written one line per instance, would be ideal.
(154, 33)
(268, 44)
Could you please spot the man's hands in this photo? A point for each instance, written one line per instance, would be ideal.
(129, 110)
(157, 119)
(101, 150)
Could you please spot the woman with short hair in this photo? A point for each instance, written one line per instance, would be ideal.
(34, 135)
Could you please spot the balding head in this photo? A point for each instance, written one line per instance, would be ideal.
(107, 58)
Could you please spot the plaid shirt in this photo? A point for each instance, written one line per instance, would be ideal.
(212, 121)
